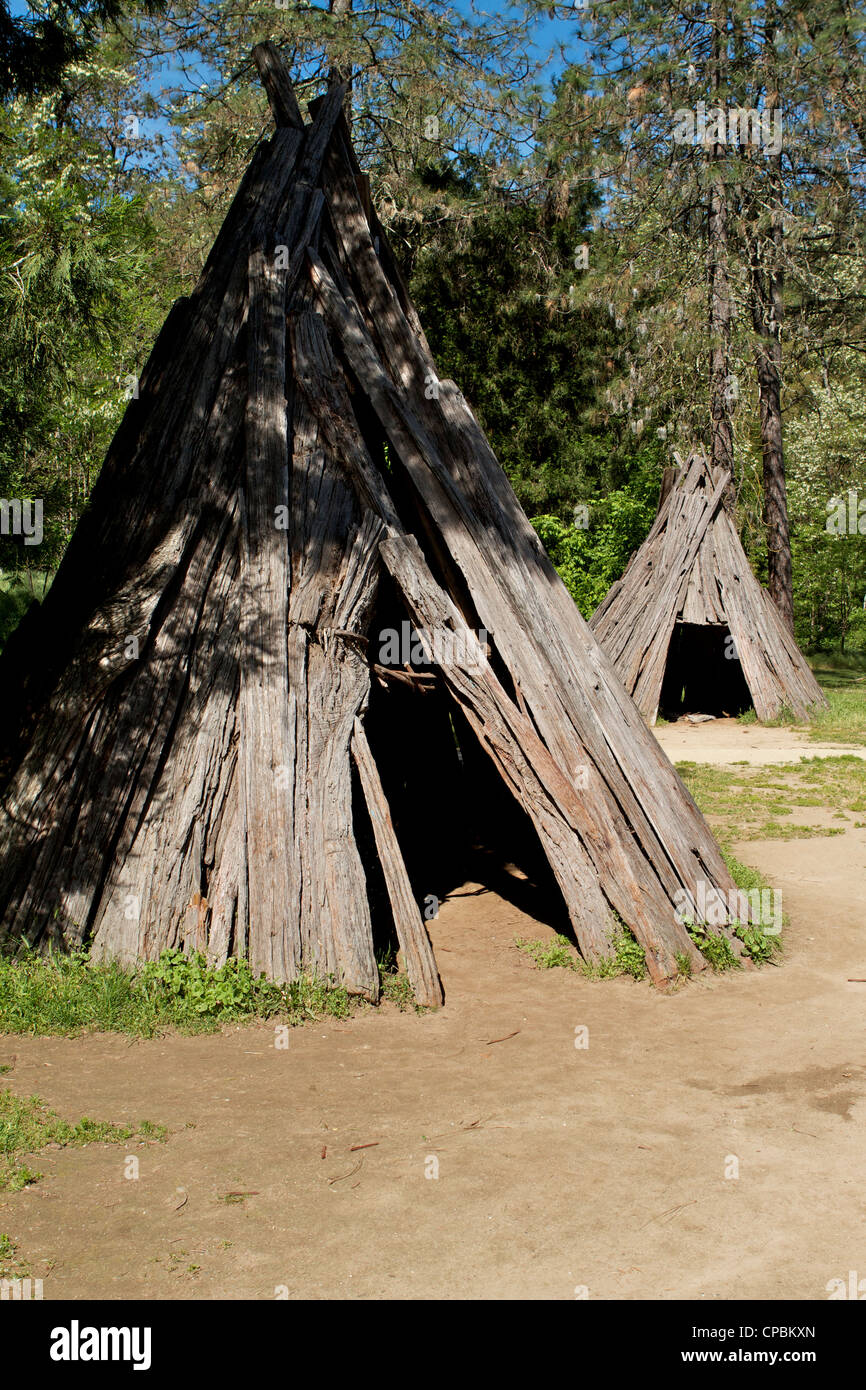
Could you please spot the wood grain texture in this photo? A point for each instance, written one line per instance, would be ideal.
(273, 949)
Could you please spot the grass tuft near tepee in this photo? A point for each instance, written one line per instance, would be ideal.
(69, 994)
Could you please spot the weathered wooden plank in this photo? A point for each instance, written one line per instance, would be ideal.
(409, 924)
(142, 913)
(274, 950)
(98, 773)
(334, 576)
(278, 85)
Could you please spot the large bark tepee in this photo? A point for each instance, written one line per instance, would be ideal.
(188, 758)
(688, 626)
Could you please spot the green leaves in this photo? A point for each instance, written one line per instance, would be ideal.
(69, 994)
(590, 559)
(76, 248)
(227, 991)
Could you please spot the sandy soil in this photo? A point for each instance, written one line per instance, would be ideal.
(724, 741)
(559, 1168)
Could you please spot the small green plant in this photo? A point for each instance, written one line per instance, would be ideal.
(684, 965)
(148, 1130)
(759, 943)
(210, 991)
(756, 943)
(715, 948)
(549, 955)
(10, 1266)
(629, 956)
(396, 989)
(394, 986)
(604, 969)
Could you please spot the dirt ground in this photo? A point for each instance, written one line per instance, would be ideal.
(724, 741)
(563, 1171)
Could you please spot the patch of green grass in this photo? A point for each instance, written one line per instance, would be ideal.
(684, 965)
(396, 989)
(10, 1266)
(148, 1130)
(394, 986)
(842, 677)
(783, 719)
(744, 876)
(549, 955)
(773, 830)
(27, 1126)
(744, 802)
(627, 956)
(69, 994)
(758, 943)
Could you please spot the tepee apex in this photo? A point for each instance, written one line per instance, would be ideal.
(202, 747)
(689, 626)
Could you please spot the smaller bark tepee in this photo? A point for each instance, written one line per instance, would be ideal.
(688, 626)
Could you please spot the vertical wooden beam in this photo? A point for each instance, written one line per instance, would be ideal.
(278, 85)
(264, 602)
(411, 933)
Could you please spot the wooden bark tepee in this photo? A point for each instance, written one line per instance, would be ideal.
(187, 757)
(689, 626)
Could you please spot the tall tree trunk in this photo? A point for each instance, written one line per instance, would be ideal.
(767, 319)
(722, 434)
(767, 291)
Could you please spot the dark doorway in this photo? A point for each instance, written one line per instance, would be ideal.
(700, 676)
(455, 819)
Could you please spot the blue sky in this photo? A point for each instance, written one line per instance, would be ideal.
(549, 39)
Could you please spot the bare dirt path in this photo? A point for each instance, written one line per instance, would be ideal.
(558, 1168)
(723, 741)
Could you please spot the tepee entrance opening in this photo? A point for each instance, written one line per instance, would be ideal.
(702, 675)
